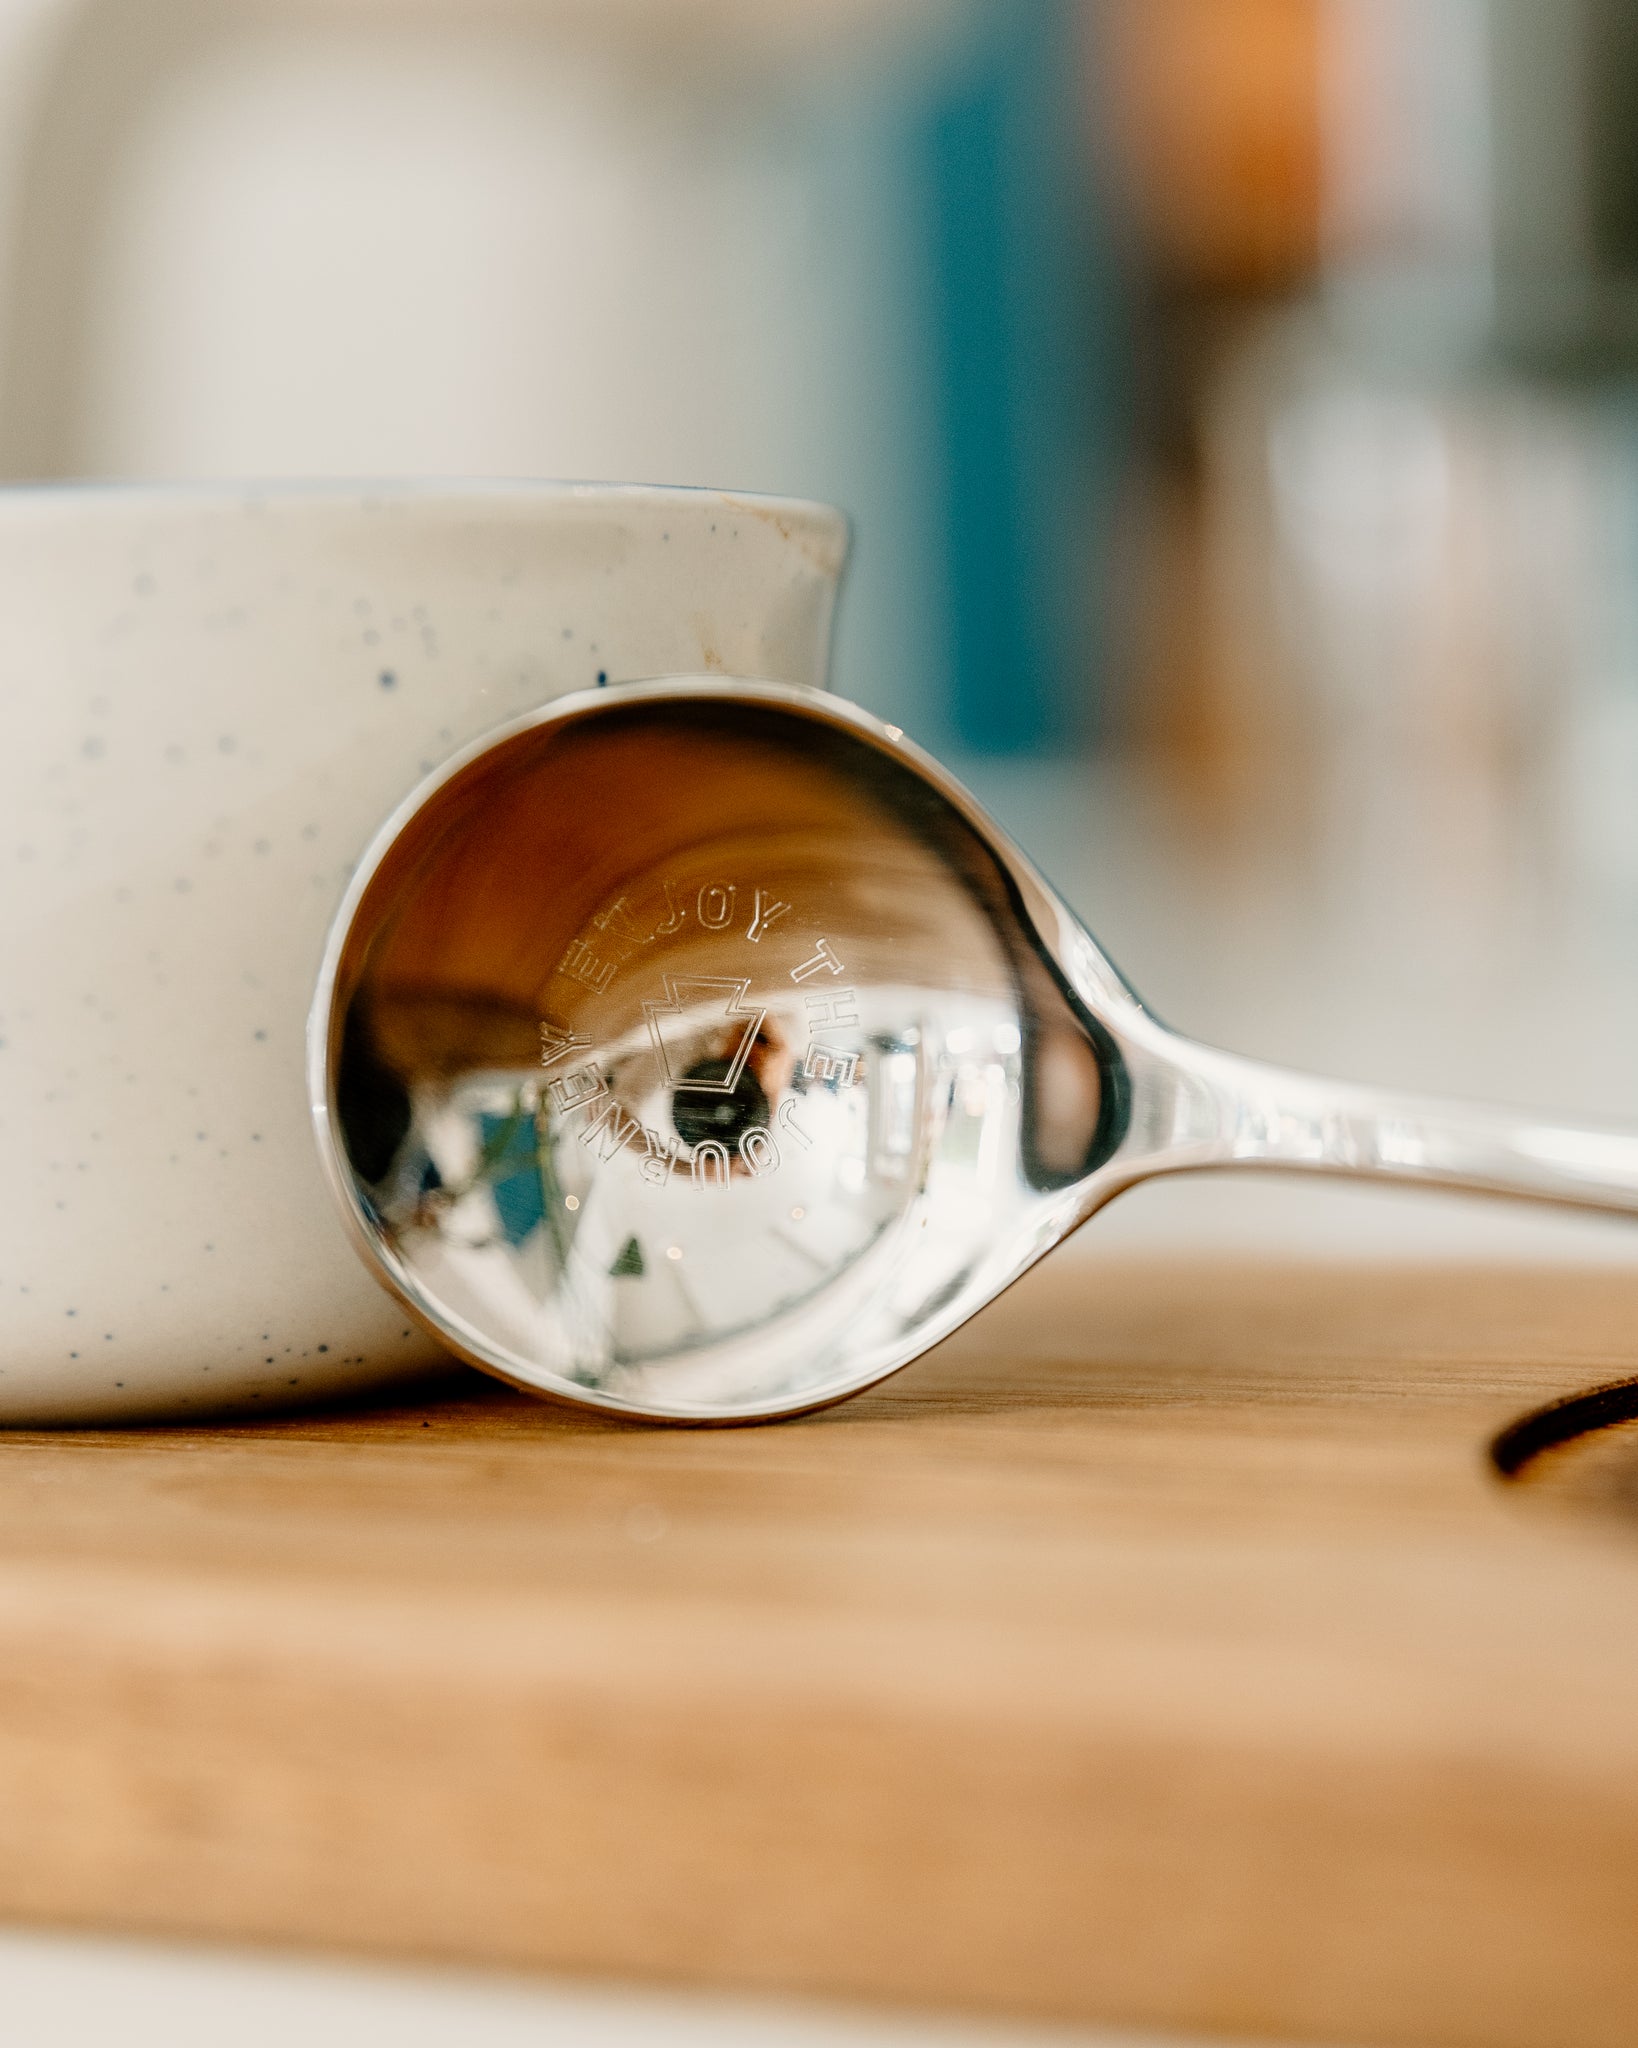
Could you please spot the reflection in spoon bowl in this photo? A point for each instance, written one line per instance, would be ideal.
(702, 1051)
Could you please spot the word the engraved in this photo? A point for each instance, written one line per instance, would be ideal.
(723, 997)
(557, 1044)
(822, 961)
(832, 1008)
(825, 1063)
(828, 1009)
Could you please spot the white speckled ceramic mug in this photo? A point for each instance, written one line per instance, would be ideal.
(213, 698)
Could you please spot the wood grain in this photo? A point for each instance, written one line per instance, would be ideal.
(1163, 1648)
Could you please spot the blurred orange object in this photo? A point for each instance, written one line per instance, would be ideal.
(1214, 106)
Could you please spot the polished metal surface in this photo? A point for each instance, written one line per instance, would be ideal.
(700, 1050)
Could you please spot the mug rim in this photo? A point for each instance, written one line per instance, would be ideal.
(454, 490)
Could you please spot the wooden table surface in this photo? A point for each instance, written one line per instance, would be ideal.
(1165, 1648)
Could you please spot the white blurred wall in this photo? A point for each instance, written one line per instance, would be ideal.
(656, 239)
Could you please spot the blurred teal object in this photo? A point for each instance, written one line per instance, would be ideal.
(511, 1163)
(1029, 382)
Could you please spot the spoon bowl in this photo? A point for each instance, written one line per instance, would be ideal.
(701, 1051)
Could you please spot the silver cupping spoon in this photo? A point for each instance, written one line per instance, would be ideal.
(700, 1050)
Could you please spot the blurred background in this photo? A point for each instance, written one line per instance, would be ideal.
(1237, 402)
(1234, 399)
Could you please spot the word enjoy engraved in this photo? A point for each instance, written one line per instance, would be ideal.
(714, 906)
(581, 964)
(620, 925)
(768, 912)
(621, 931)
(675, 914)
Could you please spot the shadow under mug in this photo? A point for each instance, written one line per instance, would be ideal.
(214, 697)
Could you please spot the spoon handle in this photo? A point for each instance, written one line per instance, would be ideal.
(1229, 1111)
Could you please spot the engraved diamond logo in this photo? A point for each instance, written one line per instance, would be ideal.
(703, 1002)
